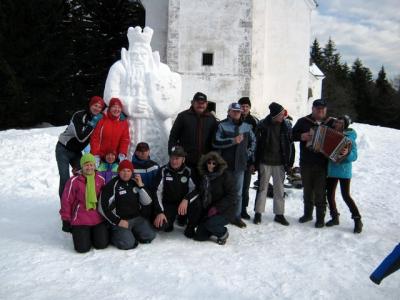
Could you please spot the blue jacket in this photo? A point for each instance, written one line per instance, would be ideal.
(238, 156)
(148, 170)
(344, 168)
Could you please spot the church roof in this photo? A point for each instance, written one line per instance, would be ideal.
(314, 70)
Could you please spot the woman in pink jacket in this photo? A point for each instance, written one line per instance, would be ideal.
(79, 208)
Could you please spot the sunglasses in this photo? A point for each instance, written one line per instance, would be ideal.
(212, 163)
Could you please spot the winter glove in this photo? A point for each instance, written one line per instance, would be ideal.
(121, 157)
(92, 123)
(212, 211)
(97, 159)
(66, 226)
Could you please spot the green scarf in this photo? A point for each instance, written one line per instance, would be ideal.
(90, 193)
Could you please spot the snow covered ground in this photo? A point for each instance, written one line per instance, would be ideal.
(269, 261)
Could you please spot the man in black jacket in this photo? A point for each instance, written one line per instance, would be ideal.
(313, 165)
(273, 158)
(121, 201)
(245, 104)
(194, 130)
(176, 191)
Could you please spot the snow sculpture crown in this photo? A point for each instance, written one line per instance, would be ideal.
(137, 36)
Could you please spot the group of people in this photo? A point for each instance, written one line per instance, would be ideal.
(112, 198)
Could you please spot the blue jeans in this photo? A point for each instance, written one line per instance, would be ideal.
(238, 177)
(65, 158)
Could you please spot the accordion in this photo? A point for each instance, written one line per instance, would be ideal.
(329, 142)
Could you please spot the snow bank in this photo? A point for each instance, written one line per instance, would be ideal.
(269, 261)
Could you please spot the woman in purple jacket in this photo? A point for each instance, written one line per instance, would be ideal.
(79, 208)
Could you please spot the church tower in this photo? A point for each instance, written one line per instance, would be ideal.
(233, 48)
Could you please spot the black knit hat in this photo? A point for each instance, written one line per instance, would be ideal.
(346, 119)
(275, 109)
(244, 100)
(199, 97)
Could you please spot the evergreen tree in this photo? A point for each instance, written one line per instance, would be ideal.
(361, 79)
(385, 105)
(316, 53)
(32, 60)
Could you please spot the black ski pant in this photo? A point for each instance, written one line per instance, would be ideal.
(84, 237)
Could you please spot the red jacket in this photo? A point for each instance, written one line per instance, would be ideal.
(73, 203)
(110, 133)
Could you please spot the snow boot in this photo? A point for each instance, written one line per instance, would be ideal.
(220, 240)
(334, 221)
(281, 220)
(257, 218)
(308, 212)
(358, 225)
(245, 215)
(239, 223)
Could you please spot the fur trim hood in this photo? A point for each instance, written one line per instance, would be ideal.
(221, 163)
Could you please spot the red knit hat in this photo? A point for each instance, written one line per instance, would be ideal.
(115, 101)
(97, 99)
(108, 151)
(125, 164)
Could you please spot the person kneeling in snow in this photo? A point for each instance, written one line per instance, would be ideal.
(108, 167)
(120, 203)
(176, 191)
(148, 170)
(216, 206)
(78, 208)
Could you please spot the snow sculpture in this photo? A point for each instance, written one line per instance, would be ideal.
(149, 91)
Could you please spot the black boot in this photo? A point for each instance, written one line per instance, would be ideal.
(334, 221)
(308, 212)
(320, 217)
(239, 223)
(281, 220)
(220, 240)
(257, 218)
(245, 215)
(358, 225)
(189, 231)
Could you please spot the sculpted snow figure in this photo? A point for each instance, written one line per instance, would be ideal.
(149, 90)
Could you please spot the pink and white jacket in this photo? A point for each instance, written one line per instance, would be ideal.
(73, 203)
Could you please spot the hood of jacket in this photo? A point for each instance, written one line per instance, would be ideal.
(221, 163)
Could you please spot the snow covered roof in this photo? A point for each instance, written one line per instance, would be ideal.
(314, 70)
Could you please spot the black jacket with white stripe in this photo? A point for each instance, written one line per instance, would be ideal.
(76, 135)
(122, 200)
(173, 187)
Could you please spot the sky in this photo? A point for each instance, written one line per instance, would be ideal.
(368, 29)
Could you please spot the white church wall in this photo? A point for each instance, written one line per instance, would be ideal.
(280, 65)
(157, 19)
(315, 84)
(220, 27)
